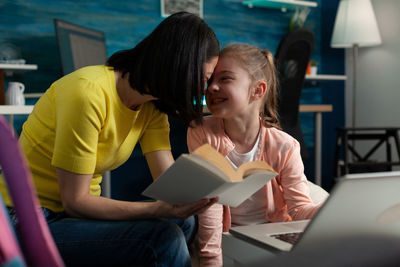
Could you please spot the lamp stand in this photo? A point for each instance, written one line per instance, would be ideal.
(354, 108)
(355, 58)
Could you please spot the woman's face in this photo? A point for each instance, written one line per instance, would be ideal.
(209, 69)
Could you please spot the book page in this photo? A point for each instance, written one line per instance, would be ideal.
(253, 167)
(209, 165)
(237, 192)
(209, 153)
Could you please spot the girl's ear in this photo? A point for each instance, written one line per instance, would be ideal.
(260, 89)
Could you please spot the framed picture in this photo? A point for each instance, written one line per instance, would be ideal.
(169, 7)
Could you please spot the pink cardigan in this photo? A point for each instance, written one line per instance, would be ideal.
(288, 193)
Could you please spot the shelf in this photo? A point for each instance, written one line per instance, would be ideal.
(7, 70)
(33, 95)
(280, 4)
(18, 67)
(326, 77)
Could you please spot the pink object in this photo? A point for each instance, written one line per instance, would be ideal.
(36, 239)
(9, 249)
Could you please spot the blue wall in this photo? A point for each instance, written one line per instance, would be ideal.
(29, 26)
(332, 92)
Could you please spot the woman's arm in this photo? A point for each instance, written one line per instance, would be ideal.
(78, 202)
(159, 161)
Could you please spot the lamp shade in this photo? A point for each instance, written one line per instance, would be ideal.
(355, 24)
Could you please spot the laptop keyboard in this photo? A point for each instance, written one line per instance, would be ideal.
(289, 237)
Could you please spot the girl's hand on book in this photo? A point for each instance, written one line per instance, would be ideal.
(185, 210)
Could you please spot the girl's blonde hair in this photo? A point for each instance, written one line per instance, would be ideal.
(260, 66)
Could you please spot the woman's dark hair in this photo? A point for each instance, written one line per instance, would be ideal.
(168, 64)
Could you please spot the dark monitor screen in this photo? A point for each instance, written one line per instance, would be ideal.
(79, 46)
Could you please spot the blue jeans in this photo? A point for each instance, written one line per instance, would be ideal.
(156, 242)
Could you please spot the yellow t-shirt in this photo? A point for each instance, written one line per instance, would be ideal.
(81, 125)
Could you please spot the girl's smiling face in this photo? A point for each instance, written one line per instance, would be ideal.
(228, 91)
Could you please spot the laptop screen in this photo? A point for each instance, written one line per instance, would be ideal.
(359, 204)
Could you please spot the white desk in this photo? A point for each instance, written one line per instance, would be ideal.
(14, 109)
(326, 77)
(317, 110)
(11, 110)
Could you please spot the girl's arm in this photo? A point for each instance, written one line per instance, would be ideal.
(296, 191)
(209, 235)
(78, 202)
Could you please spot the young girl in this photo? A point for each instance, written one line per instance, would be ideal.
(244, 127)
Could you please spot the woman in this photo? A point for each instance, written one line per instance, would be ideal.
(89, 121)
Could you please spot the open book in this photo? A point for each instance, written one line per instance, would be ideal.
(205, 174)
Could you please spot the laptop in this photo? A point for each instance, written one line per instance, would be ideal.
(359, 204)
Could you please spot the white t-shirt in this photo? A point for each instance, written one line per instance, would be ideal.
(252, 210)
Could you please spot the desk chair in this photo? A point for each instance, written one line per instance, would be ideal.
(291, 60)
(35, 239)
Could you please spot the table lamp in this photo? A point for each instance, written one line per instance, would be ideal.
(355, 26)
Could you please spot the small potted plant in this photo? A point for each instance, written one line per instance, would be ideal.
(314, 67)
